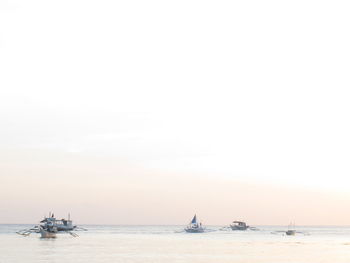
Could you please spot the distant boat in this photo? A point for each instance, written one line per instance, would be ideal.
(239, 225)
(50, 226)
(194, 226)
(291, 230)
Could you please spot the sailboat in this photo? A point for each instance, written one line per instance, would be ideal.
(194, 226)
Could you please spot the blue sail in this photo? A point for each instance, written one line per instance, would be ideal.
(194, 220)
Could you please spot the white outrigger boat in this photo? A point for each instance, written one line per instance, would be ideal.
(239, 225)
(194, 226)
(50, 226)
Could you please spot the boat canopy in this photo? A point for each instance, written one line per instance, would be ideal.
(239, 222)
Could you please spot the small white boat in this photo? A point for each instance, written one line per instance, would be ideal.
(194, 226)
(239, 225)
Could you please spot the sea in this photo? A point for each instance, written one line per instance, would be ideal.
(170, 244)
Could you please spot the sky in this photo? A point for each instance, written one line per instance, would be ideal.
(146, 112)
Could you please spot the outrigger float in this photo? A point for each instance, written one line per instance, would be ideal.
(50, 226)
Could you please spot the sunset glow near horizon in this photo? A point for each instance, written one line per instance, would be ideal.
(146, 113)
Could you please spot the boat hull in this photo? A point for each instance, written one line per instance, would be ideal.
(290, 233)
(46, 234)
(194, 230)
(240, 228)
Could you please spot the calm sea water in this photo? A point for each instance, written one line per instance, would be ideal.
(134, 244)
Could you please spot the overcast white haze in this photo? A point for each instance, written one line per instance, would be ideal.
(146, 112)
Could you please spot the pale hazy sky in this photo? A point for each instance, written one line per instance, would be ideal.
(145, 112)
